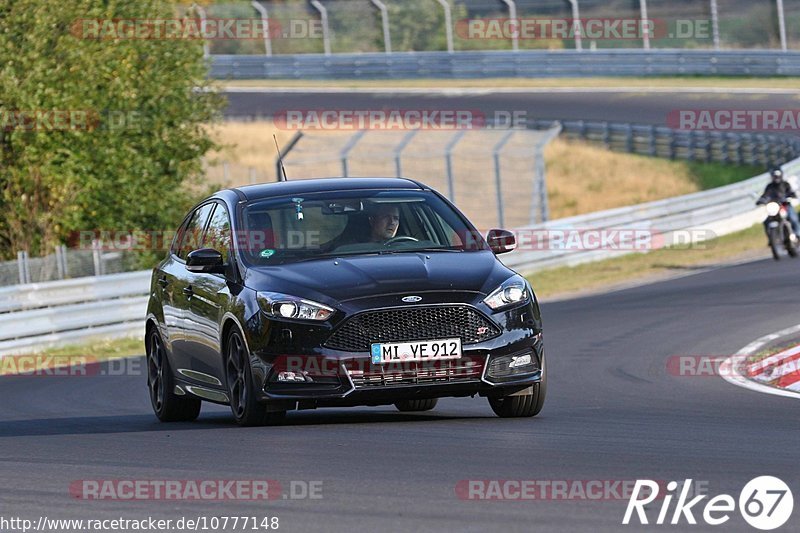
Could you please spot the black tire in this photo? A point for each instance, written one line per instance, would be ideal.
(410, 406)
(775, 244)
(522, 406)
(246, 409)
(168, 406)
(791, 246)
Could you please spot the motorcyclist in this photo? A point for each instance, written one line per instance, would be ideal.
(779, 190)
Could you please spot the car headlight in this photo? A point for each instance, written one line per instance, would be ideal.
(285, 306)
(513, 291)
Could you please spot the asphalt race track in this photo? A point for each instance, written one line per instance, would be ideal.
(613, 413)
(636, 106)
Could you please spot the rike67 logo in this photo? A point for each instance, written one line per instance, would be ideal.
(765, 503)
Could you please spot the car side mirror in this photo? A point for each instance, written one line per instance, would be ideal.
(501, 241)
(205, 261)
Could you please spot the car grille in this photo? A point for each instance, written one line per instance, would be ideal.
(367, 375)
(420, 323)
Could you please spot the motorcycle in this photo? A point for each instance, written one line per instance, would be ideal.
(778, 227)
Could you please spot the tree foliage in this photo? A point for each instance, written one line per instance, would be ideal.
(132, 164)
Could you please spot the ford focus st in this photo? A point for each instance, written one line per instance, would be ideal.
(338, 292)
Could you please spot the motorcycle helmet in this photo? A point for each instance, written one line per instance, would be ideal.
(776, 173)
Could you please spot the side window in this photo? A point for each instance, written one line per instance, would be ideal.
(176, 240)
(193, 233)
(218, 234)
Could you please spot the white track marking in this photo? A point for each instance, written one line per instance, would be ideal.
(480, 91)
(729, 369)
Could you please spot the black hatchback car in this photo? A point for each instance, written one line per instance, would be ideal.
(338, 292)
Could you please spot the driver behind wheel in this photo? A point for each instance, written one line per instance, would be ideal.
(384, 221)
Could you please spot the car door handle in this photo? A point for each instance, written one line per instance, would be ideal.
(163, 282)
(188, 291)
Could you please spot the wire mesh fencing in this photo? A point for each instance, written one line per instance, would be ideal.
(355, 26)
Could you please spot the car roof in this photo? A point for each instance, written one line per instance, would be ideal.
(304, 186)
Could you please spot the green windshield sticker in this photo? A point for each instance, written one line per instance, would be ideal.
(266, 254)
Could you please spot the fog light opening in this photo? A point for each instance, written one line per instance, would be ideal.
(293, 377)
(510, 366)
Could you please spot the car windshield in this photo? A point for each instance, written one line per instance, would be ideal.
(318, 225)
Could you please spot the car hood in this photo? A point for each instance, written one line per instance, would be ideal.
(343, 279)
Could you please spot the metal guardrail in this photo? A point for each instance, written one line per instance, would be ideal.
(509, 64)
(720, 211)
(38, 315)
(660, 141)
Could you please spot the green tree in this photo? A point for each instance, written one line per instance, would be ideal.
(133, 166)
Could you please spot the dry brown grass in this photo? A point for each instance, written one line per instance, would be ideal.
(581, 177)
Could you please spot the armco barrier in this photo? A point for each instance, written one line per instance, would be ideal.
(39, 315)
(509, 64)
(722, 210)
(34, 316)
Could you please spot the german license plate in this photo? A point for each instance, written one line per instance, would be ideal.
(416, 351)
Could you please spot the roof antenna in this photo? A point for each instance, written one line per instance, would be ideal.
(282, 177)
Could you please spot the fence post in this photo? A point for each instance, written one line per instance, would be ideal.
(448, 157)
(64, 255)
(540, 174)
(448, 25)
(498, 177)
(645, 33)
(715, 24)
(398, 152)
(387, 37)
(22, 265)
(512, 15)
(782, 25)
(97, 257)
(267, 30)
(576, 16)
(347, 149)
(326, 36)
(606, 136)
(59, 261)
(284, 152)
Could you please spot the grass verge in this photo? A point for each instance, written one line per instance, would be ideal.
(75, 354)
(678, 82)
(619, 271)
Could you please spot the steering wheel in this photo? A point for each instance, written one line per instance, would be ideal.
(401, 238)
